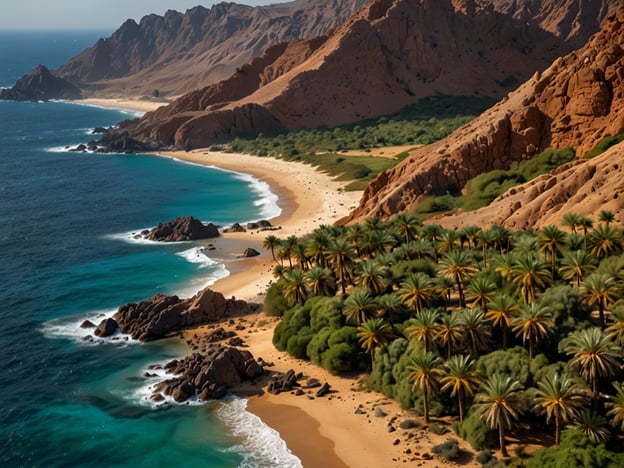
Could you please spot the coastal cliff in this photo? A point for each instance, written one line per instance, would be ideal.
(40, 85)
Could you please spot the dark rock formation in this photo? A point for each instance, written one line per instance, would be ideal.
(249, 252)
(236, 227)
(106, 328)
(184, 228)
(208, 376)
(324, 390)
(262, 225)
(283, 382)
(87, 324)
(161, 315)
(40, 85)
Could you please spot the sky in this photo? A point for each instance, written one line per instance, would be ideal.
(91, 14)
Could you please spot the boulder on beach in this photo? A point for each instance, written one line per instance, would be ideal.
(184, 228)
(249, 252)
(208, 376)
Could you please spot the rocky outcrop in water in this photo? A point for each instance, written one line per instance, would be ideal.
(162, 315)
(208, 376)
(40, 85)
(184, 228)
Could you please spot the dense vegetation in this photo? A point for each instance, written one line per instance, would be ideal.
(429, 120)
(501, 330)
(484, 188)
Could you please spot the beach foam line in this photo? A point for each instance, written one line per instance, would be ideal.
(267, 201)
(69, 328)
(260, 445)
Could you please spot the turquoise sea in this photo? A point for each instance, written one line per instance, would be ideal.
(67, 254)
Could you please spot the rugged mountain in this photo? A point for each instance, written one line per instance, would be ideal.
(179, 52)
(582, 186)
(577, 101)
(40, 85)
(388, 55)
(573, 20)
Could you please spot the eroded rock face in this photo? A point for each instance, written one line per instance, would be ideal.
(399, 50)
(162, 315)
(40, 85)
(184, 228)
(209, 376)
(576, 102)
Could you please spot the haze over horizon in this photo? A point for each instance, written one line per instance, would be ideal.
(77, 14)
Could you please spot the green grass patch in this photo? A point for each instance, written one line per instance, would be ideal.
(603, 146)
(484, 188)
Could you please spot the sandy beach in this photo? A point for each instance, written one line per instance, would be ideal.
(125, 104)
(351, 426)
(343, 428)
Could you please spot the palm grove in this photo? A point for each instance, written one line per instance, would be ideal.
(495, 328)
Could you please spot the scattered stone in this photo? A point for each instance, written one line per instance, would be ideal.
(409, 424)
(379, 413)
(106, 327)
(312, 383)
(249, 252)
(324, 390)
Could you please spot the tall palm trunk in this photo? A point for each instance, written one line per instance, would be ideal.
(501, 441)
(426, 406)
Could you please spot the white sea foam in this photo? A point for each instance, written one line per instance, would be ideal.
(199, 255)
(260, 445)
(143, 394)
(69, 328)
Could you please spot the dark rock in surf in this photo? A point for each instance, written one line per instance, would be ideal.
(106, 328)
(184, 228)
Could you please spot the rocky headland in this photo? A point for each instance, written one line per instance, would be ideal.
(40, 85)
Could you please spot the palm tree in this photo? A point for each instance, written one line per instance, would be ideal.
(355, 234)
(594, 355)
(606, 216)
(529, 273)
(458, 265)
(271, 242)
(320, 281)
(461, 378)
(472, 234)
(448, 241)
(571, 220)
(424, 327)
(615, 331)
(340, 257)
(390, 305)
(477, 331)
(375, 242)
(372, 334)
(295, 289)
(593, 425)
(372, 277)
(585, 224)
(450, 332)
(480, 291)
(499, 405)
(534, 322)
(616, 406)
(551, 240)
(575, 264)
(505, 264)
(279, 271)
(317, 247)
(425, 373)
(605, 241)
(599, 289)
(416, 290)
(359, 307)
(299, 255)
(420, 248)
(406, 226)
(444, 287)
(560, 398)
(486, 239)
(502, 310)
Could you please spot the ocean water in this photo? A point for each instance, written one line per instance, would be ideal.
(67, 254)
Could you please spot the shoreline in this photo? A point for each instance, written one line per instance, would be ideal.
(348, 427)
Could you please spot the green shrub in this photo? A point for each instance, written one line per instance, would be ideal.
(484, 457)
(474, 431)
(438, 429)
(448, 450)
(603, 146)
(274, 303)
